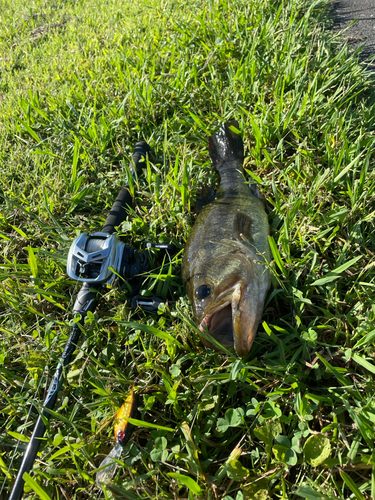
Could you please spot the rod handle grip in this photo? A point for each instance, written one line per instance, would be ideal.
(117, 213)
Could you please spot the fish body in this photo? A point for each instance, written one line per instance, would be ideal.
(222, 268)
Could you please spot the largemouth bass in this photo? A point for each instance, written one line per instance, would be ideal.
(223, 266)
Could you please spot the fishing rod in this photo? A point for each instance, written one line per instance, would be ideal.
(94, 260)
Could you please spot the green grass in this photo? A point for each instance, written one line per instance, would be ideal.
(81, 83)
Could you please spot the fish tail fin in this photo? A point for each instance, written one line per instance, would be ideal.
(226, 145)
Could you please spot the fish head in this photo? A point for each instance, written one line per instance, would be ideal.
(227, 287)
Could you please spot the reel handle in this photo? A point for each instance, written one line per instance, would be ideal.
(117, 213)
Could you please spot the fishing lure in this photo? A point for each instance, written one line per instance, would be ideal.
(123, 430)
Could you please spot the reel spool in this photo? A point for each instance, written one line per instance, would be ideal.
(99, 258)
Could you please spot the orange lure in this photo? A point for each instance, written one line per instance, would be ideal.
(123, 428)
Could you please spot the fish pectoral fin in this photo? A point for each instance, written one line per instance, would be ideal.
(254, 188)
(255, 191)
(243, 226)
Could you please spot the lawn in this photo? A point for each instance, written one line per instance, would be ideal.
(81, 83)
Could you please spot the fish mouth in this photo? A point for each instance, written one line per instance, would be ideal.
(234, 322)
(219, 325)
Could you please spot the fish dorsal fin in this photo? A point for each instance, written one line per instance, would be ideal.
(243, 226)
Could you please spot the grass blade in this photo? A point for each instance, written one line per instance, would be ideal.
(351, 485)
(35, 487)
(187, 481)
(335, 273)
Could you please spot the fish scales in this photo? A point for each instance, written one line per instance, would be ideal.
(222, 268)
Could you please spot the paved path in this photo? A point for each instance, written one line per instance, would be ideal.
(363, 30)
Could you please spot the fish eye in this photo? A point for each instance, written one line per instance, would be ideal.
(203, 291)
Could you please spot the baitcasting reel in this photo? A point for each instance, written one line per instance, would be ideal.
(98, 258)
